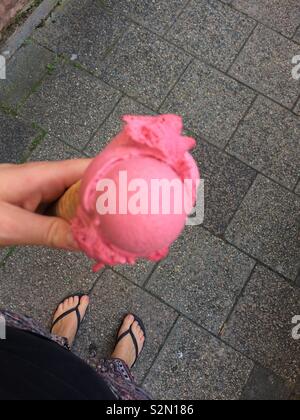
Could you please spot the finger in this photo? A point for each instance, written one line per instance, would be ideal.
(41, 181)
(20, 227)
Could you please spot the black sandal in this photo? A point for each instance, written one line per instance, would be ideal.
(70, 311)
(130, 332)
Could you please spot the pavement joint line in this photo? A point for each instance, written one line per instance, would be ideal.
(237, 300)
(216, 336)
(97, 281)
(93, 135)
(196, 324)
(268, 267)
(188, 2)
(241, 121)
(37, 141)
(146, 282)
(10, 251)
(295, 33)
(296, 103)
(195, 57)
(230, 5)
(201, 60)
(79, 66)
(227, 153)
(238, 209)
(241, 49)
(247, 381)
(175, 84)
(161, 347)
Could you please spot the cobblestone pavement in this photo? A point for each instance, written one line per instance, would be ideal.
(219, 310)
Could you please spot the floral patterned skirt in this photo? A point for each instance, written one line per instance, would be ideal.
(114, 372)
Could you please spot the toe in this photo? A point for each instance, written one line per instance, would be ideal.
(136, 328)
(75, 301)
(84, 303)
(128, 321)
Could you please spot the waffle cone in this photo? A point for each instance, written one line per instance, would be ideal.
(67, 205)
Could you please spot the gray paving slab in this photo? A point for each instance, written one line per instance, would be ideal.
(193, 365)
(297, 36)
(114, 124)
(70, 105)
(227, 181)
(297, 108)
(40, 278)
(265, 65)
(17, 137)
(138, 273)
(213, 31)
(264, 385)
(283, 16)
(268, 139)
(24, 71)
(143, 66)
(296, 392)
(82, 31)
(157, 15)
(202, 278)
(3, 253)
(211, 103)
(261, 324)
(52, 149)
(267, 226)
(111, 300)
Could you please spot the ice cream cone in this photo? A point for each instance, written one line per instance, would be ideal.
(67, 205)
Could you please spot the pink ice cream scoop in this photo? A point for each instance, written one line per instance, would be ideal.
(137, 194)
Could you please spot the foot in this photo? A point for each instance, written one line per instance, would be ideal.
(67, 327)
(125, 349)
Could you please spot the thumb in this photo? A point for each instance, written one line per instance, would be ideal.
(21, 227)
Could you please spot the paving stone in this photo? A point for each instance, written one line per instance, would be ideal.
(201, 278)
(211, 103)
(16, 138)
(71, 105)
(265, 65)
(296, 392)
(263, 385)
(51, 149)
(281, 16)
(193, 365)
(138, 273)
(111, 300)
(227, 181)
(157, 15)
(298, 279)
(24, 71)
(267, 227)
(3, 253)
(268, 140)
(261, 324)
(297, 108)
(82, 31)
(212, 31)
(297, 36)
(113, 124)
(34, 280)
(144, 66)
